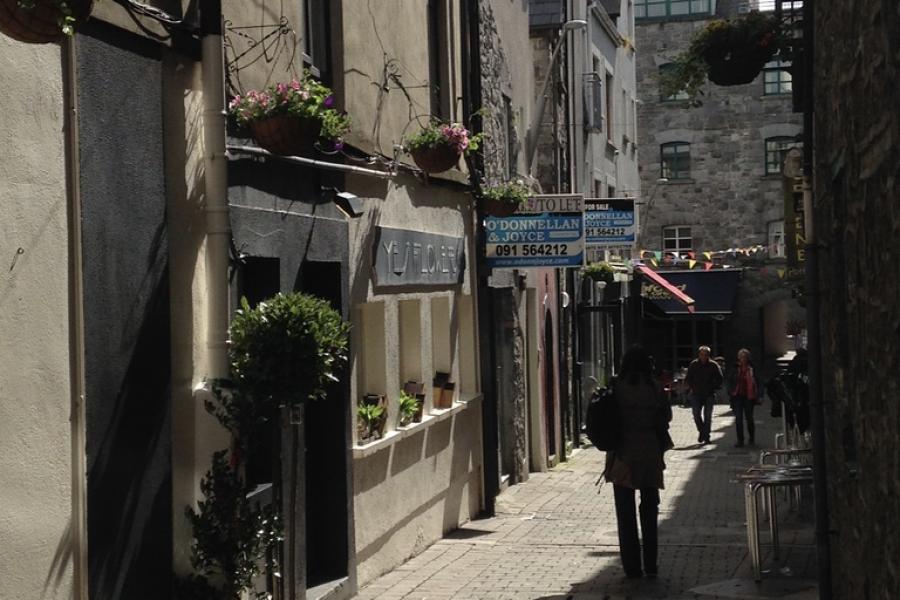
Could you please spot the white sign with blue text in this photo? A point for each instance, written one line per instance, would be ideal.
(547, 232)
(609, 221)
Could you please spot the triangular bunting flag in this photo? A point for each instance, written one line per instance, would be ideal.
(653, 262)
(691, 255)
(781, 273)
(691, 263)
(708, 266)
(658, 255)
(708, 255)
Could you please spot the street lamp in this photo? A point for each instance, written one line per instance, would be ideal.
(534, 128)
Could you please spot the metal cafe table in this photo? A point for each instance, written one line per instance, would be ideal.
(765, 479)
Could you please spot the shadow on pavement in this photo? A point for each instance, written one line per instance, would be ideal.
(702, 531)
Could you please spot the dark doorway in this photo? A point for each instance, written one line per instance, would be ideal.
(259, 280)
(549, 385)
(327, 511)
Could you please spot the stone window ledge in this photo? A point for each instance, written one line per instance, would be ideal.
(437, 415)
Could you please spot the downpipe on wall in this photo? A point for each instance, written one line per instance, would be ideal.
(76, 326)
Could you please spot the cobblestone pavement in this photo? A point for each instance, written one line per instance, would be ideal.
(554, 536)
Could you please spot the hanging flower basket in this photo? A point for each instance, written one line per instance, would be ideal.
(505, 199)
(286, 134)
(436, 159)
(42, 21)
(727, 52)
(437, 147)
(599, 271)
(291, 118)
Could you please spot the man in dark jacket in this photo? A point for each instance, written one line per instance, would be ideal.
(703, 378)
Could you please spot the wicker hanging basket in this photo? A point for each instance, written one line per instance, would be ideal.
(436, 159)
(736, 66)
(40, 25)
(286, 135)
(499, 208)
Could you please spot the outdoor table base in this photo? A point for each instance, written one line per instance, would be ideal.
(766, 480)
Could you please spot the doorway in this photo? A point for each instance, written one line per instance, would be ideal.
(325, 435)
(549, 386)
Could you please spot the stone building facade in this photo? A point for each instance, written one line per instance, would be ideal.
(856, 190)
(711, 182)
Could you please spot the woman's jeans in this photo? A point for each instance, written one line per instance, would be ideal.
(702, 407)
(629, 545)
(743, 410)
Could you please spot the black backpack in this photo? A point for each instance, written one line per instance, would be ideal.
(603, 421)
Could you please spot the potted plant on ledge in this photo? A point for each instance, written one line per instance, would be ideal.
(410, 409)
(727, 52)
(599, 271)
(42, 21)
(437, 147)
(291, 118)
(505, 199)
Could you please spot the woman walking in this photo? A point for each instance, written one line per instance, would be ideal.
(743, 386)
(638, 463)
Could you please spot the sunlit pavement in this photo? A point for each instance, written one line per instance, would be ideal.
(554, 536)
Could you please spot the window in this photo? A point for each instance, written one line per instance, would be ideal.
(776, 150)
(649, 9)
(777, 78)
(664, 70)
(315, 37)
(677, 239)
(609, 108)
(509, 131)
(438, 58)
(776, 239)
(675, 158)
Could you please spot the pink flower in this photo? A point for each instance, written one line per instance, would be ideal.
(295, 85)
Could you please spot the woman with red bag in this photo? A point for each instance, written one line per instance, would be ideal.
(745, 391)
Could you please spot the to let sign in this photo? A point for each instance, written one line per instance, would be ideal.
(414, 258)
(546, 232)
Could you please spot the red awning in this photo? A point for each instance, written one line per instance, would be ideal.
(664, 283)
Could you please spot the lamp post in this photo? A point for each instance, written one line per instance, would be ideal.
(533, 129)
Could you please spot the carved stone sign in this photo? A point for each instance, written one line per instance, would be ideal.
(414, 258)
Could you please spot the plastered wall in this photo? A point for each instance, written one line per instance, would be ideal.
(35, 438)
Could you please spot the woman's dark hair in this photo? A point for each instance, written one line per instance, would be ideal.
(637, 366)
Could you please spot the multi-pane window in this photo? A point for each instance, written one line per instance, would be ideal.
(777, 78)
(677, 239)
(667, 70)
(776, 239)
(675, 159)
(649, 9)
(776, 150)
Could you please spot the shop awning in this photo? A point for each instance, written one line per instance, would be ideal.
(713, 292)
(670, 291)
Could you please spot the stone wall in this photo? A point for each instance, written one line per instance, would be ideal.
(728, 200)
(856, 187)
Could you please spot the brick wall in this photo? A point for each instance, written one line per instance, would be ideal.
(857, 195)
(728, 200)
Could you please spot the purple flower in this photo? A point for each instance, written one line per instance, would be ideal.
(339, 143)
(329, 101)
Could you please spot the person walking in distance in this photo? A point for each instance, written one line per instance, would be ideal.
(703, 378)
(638, 464)
(743, 386)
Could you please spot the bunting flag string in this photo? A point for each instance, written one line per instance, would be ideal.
(691, 263)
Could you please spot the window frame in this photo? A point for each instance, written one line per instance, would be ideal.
(781, 69)
(642, 9)
(316, 43)
(677, 237)
(777, 155)
(682, 161)
(678, 96)
(780, 247)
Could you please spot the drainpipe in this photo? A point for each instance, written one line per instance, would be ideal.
(76, 327)
(814, 344)
(218, 225)
(486, 339)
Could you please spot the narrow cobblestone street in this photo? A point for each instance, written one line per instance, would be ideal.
(554, 537)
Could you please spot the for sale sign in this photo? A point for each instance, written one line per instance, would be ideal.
(547, 232)
(609, 221)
